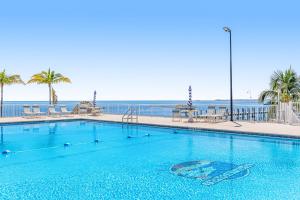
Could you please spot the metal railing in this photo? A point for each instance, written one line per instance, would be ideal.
(259, 113)
(16, 110)
(241, 112)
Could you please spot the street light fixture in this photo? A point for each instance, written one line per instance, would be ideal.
(226, 29)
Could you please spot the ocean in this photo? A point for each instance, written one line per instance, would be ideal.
(146, 107)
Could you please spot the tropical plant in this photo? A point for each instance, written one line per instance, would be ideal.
(49, 77)
(6, 79)
(284, 86)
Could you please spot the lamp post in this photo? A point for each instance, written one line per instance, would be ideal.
(226, 29)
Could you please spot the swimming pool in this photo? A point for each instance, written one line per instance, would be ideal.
(100, 160)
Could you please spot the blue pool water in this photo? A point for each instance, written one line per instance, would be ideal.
(142, 162)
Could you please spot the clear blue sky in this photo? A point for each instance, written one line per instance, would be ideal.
(138, 49)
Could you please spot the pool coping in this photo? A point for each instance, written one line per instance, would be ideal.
(246, 133)
(88, 118)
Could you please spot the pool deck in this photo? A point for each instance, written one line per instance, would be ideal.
(258, 128)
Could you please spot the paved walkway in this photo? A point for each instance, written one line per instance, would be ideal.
(243, 127)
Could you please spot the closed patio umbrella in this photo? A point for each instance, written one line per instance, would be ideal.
(190, 102)
(94, 100)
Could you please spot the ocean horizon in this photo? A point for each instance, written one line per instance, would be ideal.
(145, 107)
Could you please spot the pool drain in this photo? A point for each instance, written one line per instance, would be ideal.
(67, 144)
(6, 152)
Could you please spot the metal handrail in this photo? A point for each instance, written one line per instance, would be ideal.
(126, 113)
(129, 114)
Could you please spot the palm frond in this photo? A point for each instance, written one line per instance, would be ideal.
(49, 77)
(61, 79)
(286, 82)
(14, 79)
(6, 79)
(267, 95)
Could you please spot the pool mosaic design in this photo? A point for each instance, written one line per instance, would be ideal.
(211, 172)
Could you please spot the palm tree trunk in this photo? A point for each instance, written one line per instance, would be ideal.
(50, 102)
(1, 106)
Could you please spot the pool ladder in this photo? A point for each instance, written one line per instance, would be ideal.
(130, 115)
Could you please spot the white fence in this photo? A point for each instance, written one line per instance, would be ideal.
(290, 112)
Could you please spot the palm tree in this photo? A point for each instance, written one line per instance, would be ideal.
(49, 77)
(7, 80)
(284, 85)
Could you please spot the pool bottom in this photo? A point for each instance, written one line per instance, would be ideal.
(140, 167)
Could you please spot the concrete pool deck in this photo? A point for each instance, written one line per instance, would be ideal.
(258, 128)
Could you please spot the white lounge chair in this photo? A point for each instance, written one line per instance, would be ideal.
(83, 109)
(176, 115)
(96, 111)
(37, 110)
(53, 112)
(222, 113)
(27, 111)
(64, 110)
(211, 115)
